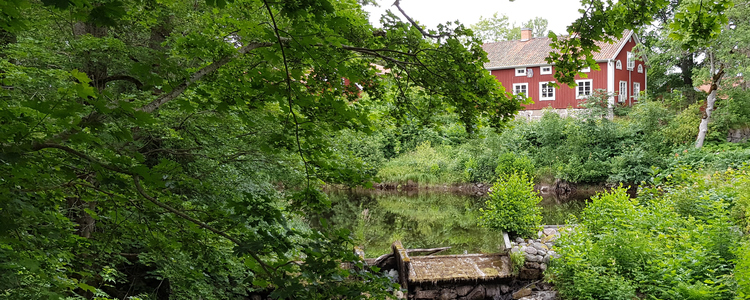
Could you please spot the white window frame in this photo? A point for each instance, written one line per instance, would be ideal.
(622, 92)
(542, 72)
(580, 95)
(526, 87)
(631, 61)
(640, 68)
(520, 71)
(541, 91)
(586, 70)
(636, 90)
(618, 65)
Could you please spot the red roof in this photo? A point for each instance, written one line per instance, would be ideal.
(517, 53)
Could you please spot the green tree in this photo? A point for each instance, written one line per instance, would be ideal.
(695, 23)
(172, 149)
(498, 28)
(538, 26)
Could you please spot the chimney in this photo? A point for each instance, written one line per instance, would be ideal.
(525, 34)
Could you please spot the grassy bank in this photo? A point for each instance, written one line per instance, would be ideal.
(630, 149)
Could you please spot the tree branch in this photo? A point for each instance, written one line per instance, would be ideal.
(142, 192)
(38, 147)
(397, 4)
(177, 91)
(138, 83)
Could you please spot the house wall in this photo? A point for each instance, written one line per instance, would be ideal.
(565, 97)
(627, 75)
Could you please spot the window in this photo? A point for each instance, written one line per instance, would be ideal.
(623, 91)
(584, 88)
(636, 90)
(640, 68)
(631, 61)
(545, 70)
(586, 70)
(520, 89)
(618, 65)
(546, 91)
(520, 71)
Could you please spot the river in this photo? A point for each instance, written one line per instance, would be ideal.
(423, 218)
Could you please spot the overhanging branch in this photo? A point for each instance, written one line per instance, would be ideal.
(177, 91)
(142, 192)
(397, 4)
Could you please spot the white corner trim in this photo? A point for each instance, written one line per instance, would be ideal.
(626, 38)
(611, 83)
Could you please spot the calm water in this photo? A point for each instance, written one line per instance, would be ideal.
(426, 219)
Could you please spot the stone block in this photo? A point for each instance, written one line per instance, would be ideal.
(448, 294)
(531, 265)
(464, 290)
(476, 294)
(529, 274)
(426, 295)
(522, 293)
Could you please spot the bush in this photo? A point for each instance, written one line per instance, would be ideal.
(509, 163)
(512, 206)
(675, 242)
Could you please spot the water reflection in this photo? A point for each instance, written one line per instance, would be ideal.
(426, 219)
(419, 218)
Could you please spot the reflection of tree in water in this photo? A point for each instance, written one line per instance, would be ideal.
(419, 220)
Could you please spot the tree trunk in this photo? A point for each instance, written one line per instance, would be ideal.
(710, 101)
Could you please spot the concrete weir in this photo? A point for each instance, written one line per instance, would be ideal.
(464, 277)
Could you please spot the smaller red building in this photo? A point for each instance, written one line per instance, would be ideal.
(521, 68)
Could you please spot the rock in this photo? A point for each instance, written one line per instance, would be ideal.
(529, 274)
(540, 246)
(553, 254)
(541, 295)
(399, 295)
(464, 290)
(515, 249)
(546, 258)
(529, 241)
(504, 289)
(549, 231)
(476, 294)
(519, 240)
(529, 250)
(531, 265)
(534, 258)
(541, 252)
(523, 244)
(426, 295)
(549, 238)
(448, 294)
(539, 234)
(522, 293)
(543, 267)
(492, 292)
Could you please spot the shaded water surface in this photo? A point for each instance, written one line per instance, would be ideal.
(426, 219)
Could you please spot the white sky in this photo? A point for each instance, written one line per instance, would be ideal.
(559, 13)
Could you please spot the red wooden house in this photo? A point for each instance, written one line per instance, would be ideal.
(520, 66)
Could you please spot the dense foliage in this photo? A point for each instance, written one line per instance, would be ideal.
(678, 240)
(173, 149)
(652, 134)
(512, 206)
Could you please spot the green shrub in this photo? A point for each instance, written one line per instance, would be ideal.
(509, 163)
(512, 206)
(517, 260)
(742, 271)
(675, 242)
